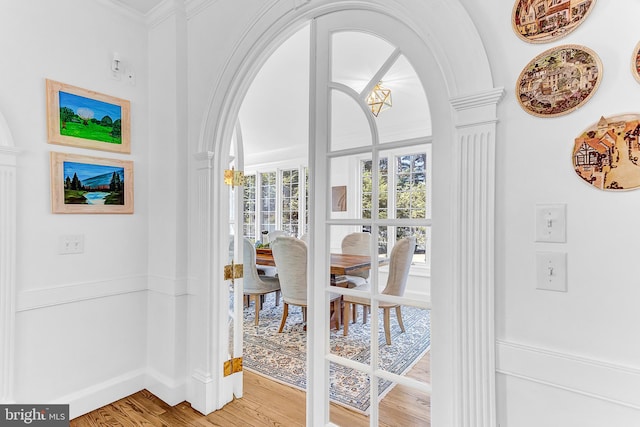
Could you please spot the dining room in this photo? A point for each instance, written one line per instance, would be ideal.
(379, 271)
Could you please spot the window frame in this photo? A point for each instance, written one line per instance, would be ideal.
(422, 145)
(302, 195)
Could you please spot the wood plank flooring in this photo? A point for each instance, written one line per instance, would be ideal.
(265, 403)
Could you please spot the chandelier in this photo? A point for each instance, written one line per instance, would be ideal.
(379, 99)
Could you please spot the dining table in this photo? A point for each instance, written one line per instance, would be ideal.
(341, 264)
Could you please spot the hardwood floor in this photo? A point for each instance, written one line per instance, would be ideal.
(265, 403)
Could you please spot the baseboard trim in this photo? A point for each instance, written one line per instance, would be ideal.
(605, 381)
(169, 391)
(94, 397)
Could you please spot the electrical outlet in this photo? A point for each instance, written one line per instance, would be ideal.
(71, 244)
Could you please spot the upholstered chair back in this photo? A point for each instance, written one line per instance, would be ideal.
(290, 255)
(357, 244)
(399, 265)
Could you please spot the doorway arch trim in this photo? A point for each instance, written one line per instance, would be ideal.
(473, 140)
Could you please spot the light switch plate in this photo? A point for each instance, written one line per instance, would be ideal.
(71, 244)
(551, 223)
(551, 271)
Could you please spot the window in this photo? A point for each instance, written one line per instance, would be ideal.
(267, 201)
(249, 223)
(290, 194)
(280, 203)
(402, 180)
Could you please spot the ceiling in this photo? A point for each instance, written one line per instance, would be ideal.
(274, 113)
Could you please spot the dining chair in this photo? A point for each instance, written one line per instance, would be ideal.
(290, 256)
(273, 235)
(399, 265)
(254, 284)
(358, 243)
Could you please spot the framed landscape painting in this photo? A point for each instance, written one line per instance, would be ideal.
(82, 118)
(559, 81)
(543, 21)
(84, 184)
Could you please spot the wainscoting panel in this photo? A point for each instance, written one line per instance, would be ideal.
(47, 297)
(600, 380)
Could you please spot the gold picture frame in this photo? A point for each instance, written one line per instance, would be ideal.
(88, 185)
(83, 118)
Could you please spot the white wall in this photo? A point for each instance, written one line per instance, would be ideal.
(590, 330)
(81, 319)
(168, 201)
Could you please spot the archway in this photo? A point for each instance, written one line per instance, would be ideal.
(465, 101)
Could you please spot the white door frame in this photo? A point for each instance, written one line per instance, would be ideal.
(463, 103)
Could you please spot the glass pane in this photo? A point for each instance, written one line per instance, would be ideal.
(290, 194)
(348, 392)
(249, 226)
(344, 196)
(409, 116)
(357, 57)
(349, 126)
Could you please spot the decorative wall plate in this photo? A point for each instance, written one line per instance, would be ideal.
(635, 62)
(607, 154)
(559, 80)
(543, 21)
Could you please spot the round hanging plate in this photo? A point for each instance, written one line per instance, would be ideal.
(559, 80)
(606, 155)
(543, 21)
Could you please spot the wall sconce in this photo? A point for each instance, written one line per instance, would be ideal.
(379, 99)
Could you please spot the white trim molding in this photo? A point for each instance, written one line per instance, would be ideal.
(474, 258)
(609, 382)
(8, 162)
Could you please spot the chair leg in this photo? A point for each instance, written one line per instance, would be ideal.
(345, 319)
(337, 310)
(304, 314)
(277, 298)
(387, 329)
(399, 316)
(354, 312)
(256, 302)
(365, 310)
(285, 313)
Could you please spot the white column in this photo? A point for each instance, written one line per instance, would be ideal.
(8, 156)
(474, 341)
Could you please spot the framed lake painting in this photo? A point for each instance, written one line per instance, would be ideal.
(543, 21)
(84, 184)
(82, 118)
(606, 155)
(559, 81)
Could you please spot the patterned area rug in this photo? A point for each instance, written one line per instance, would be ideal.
(282, 357)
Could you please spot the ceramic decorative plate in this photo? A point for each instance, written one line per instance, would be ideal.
(559, 80)
(635, 62)
(607, 154)
(543, 21)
